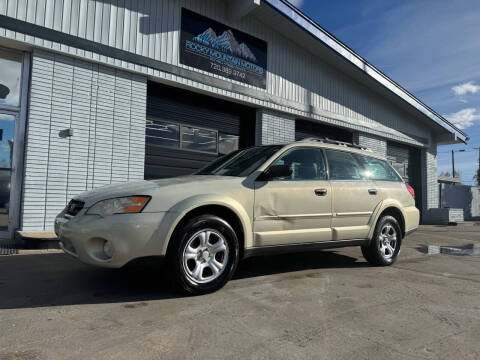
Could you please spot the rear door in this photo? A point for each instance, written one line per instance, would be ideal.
(295, 209)
(389, 184)
(354, 196)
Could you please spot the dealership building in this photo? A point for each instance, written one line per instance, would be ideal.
(94, 92)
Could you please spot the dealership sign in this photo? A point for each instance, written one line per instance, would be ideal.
(214, 47)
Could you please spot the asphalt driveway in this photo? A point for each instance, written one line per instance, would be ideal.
(322, 305)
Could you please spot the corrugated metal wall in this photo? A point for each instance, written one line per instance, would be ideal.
(106, 110)
(151, 28)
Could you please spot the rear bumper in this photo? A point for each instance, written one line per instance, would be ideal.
(412, 219)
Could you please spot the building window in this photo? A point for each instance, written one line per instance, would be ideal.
(163, 134)
(10, 79)
(199, 139)
(178, 136)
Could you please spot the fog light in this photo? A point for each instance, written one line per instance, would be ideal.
(108, 249)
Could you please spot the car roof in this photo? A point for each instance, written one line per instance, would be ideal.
(334, 145)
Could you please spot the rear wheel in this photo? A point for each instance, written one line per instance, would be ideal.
(204, 255)
(385, 244)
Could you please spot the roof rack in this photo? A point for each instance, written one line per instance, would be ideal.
(326, 140)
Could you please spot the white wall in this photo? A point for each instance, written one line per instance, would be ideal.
(105, 108)
(297, 81)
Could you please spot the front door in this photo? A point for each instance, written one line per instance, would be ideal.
(295, 209)
(354, 197)
(7, 129)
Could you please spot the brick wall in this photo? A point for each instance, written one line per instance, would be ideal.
(377, 144)
(274, 128)
(430, 177)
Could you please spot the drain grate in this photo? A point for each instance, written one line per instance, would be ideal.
(8, 250)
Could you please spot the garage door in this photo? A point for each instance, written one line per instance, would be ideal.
(305, 129)
(406, 160)
(186, 130)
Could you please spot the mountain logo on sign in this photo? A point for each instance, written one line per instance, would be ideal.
(226, 43)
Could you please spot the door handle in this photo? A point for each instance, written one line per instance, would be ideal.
(372, 191)
(320, 192)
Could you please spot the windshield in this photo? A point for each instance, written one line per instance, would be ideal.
(240, 162)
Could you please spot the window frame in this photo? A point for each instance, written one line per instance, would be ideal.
(180, 125)
(15, 55)
(355, 156)
(325, 167)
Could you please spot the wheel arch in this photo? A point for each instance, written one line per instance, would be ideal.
(395, 212)
(230, 211)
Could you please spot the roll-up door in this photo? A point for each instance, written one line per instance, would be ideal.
(305, 129)
(186, 130)
(407, 161)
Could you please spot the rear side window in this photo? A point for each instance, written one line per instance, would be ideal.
(376, 169)
(343, 166)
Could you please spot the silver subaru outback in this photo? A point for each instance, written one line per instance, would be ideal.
(303, 196)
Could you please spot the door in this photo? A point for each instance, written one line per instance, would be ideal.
(185, 130)
(296, 209)
(354, 197)
(7, 128)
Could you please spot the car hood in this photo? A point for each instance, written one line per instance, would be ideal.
(169, 187)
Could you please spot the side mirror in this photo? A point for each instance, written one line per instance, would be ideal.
(275, 171)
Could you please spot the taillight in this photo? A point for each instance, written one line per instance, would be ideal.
(410, 190)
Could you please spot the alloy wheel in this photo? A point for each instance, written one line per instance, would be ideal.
(387, 239)
(205, 256)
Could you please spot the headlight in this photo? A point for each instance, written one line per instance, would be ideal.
(124, 205)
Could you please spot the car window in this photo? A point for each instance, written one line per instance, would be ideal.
(240, 162)
(376, 169)
(305, 163)
(343, 166)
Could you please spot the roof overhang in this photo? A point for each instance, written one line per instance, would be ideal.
(331, 50)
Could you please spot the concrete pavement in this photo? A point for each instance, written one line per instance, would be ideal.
(323, 305)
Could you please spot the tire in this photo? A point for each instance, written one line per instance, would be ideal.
(203, 256)
(385, 245)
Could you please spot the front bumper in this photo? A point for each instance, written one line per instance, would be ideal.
(131, 236)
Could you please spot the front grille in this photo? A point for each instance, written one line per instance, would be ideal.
(74, 207)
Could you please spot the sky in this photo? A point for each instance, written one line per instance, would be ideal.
(430, 47)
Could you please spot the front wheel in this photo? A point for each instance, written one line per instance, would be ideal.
(385, 244)
(204, 255)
